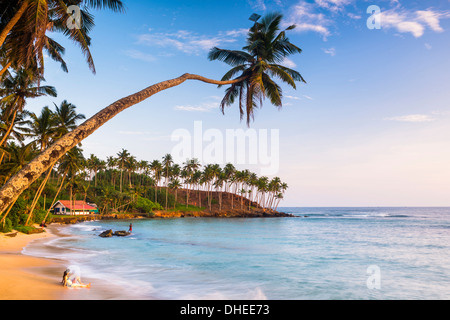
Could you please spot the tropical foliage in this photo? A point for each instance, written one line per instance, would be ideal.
(261, 60)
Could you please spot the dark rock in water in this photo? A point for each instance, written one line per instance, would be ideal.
(121, 233)
(110, 233)
(106, 234)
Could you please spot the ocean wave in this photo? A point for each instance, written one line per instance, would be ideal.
(351, 215)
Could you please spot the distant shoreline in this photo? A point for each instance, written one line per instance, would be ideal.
(173, 215)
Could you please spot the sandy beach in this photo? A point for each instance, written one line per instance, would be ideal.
(24, 277)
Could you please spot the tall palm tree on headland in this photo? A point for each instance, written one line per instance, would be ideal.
(167, 162)
(122, 158)
(156, 168)
(190, 167)
(267, 46)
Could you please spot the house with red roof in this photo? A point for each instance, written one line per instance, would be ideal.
(74, 208)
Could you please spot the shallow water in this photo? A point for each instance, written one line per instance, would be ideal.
(329, 254)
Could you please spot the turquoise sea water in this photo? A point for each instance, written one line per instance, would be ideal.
(329, 254)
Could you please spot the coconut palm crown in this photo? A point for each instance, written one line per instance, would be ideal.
(260, 61)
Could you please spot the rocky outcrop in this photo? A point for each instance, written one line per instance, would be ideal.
(121, 233)
(110, 233)
(255, 213)
(106, 234)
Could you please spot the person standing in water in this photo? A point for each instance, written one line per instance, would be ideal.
(131, 228)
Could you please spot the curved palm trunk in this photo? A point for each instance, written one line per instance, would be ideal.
(6, 67)
(38, 195)
(56, 196)
(8, 132)
(167, 186)
(13, 21)
(46, 159)
(187, 197)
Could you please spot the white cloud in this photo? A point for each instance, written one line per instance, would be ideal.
(258, 4)
(412, 118)
(289, 63)
(321, 15)
(401, 22)
(330, 51)
(414, 22)
(189, 42)
(297, 98)
(134, 133)
(136, 54)
(441, 112)
(333, 5)
(203, 107)
(305, 18)
(431, 18)
(353, 16)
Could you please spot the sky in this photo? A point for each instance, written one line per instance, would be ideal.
(371, 127)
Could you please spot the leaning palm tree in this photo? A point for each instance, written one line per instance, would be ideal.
(254, 70)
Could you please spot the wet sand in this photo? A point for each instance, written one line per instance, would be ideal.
(19, 278)
(25, 277)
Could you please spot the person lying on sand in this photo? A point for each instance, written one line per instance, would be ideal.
(66, 282)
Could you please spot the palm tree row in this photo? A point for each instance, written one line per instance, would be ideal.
(238, 185)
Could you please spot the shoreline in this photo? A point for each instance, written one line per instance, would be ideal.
(37, 277)
(29, 277)
(26, 277)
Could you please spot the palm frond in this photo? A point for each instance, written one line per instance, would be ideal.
(114, 5)
(293, 73)
(56, 51)
(273, 91)
(231, 57)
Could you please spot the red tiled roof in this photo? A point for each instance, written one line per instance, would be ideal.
(76, 205)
